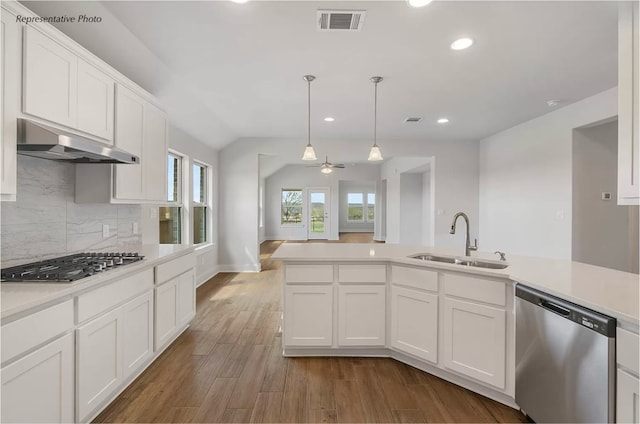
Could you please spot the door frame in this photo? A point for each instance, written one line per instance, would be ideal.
(326, 235)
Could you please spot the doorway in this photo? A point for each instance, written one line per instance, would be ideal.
(319, 209)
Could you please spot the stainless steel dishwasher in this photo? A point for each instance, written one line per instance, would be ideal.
(565, 360)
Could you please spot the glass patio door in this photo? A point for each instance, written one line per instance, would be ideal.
(319, 211)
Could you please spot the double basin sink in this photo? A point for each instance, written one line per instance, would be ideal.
(478, 263)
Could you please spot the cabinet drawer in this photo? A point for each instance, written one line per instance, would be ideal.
(309, 274)
(23, 334)
(97, 301)
(168, 270)
(414, 277)
(627, 349)
(476, 289)
(362, 273)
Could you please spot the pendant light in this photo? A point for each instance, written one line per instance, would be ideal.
(309, 153)
(375, 154)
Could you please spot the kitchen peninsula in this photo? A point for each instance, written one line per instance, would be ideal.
(454, 321)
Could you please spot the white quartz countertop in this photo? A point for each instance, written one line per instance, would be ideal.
(611, 292)
(16, 298)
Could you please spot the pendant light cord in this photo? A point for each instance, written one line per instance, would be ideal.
(309, 114)
(375, 115)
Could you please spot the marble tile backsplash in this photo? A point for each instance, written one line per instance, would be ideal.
(46, 222)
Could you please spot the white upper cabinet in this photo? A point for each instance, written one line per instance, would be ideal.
(64, 89)
(629, 104)
(129, 179)
(154, 161)
(95, 101)
(10, 61)
(50, 79)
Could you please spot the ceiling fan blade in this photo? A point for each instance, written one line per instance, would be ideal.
(338, 165)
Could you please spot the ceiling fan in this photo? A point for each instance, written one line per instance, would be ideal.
(327, 167)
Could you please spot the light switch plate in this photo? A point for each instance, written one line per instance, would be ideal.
(134, 228)
(105, 230)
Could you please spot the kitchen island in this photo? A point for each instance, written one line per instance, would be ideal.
(454, 321)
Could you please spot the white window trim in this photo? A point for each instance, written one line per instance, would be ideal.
(364, 207)
(184, 201)
(303, 213)
(208, 197)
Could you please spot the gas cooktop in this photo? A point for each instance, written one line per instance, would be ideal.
(68, 268)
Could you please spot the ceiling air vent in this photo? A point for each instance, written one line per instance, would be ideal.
(340, 20)
(412, 120)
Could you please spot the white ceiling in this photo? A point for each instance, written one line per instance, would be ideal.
(226, 71)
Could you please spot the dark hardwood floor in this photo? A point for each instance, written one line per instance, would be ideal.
(228, 367)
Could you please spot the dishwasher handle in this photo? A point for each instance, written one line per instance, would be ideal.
(544, 303)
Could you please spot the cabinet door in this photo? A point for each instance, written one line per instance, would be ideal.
(99, 361)
(308, 320)
(50, 79)
(129, 180)
(414, 322)
(154, 163)
(627, 398)
(10, 61)
(166, 312)
(137, 330)
(475, 341)
(95, 101)
(361, 315)
(39, 387)
(186, 297)
(629, 104)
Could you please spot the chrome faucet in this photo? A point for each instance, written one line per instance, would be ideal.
(467, 244)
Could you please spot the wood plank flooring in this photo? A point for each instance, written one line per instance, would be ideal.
(228, 367)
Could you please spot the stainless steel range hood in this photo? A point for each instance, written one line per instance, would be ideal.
(42, 141)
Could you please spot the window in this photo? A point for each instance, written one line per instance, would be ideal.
(200, 203)
(170, 216)
(371, 206)
(355, 207)
(291, 206)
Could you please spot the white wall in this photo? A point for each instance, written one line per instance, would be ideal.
(427, 212)
(454, 183)
(411, 213)
(602, 233)
(346, 187)
(301, 176)
(206, 256)
(455, 173)
(525, 180)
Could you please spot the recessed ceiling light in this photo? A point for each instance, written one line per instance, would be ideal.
(329, 119)
(418, 3)
(443, 121)
(553, 103)
(462, 43)
(240, 1)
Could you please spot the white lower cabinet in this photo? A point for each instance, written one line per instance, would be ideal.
(99, 365)
(627, 398)
(38, 388)
(475, 337)
(414, 322)
(175, 306)
(137, 331)
(361, 315)
(110, 349)
(10, 58)
(309, 317)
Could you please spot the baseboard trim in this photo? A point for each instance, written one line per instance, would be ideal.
(239, 268)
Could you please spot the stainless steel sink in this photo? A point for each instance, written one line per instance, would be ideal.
(460, 261)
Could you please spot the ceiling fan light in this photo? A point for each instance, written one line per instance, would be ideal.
(326, 170)
(309, 153)
(375, 154)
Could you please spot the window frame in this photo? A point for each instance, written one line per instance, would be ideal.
(207, 192)
(302, 208)
(361, 220)
(181, 198)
